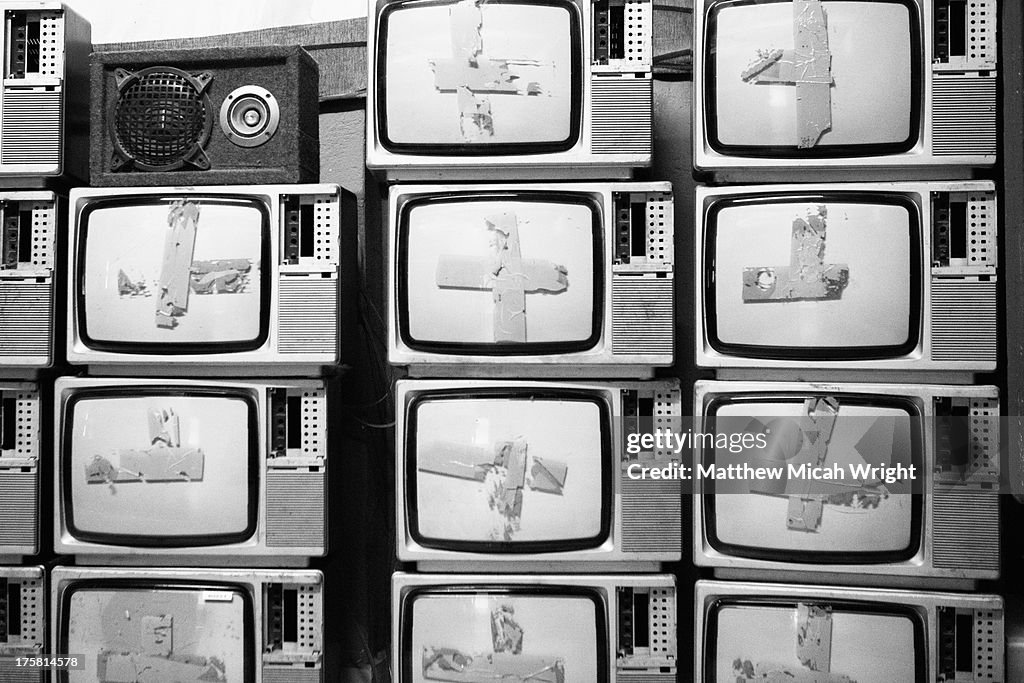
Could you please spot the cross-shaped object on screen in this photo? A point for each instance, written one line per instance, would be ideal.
(807, 277)
(471, 76)
(508, 276)
(808, 67)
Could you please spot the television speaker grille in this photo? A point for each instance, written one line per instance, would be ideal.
(621, 116)
(964, 116)
(964, 320)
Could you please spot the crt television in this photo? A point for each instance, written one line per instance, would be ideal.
(28, 236)
(856, 276)
(20, 432)
(191, 624)
(531, 278)
(174, 471)
(747, 632)
(44, 98)
(241, 278)
(938, 523)
(540, 628)
(826, 85)
(515, 88)
(509, 474)
(23, 615)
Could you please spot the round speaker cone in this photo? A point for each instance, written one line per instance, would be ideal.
(249, 116)
(160, 119)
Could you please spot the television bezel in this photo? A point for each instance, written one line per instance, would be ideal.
(483, 350)
(551, 590)
(712, 608)
(205, 196)
(509, 548)
(819, 151)
(887, 197)
(819, 557)
(72, 586)
(253, 504)
(385, 8)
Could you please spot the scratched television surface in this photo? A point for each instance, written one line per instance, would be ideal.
(561, 492)
(448, 238)
(876, 435)
(873, 308)
(497, 74)
(126, 263)
(871, 74)
(151, 634)
(504, 637)
(866, 647)
(210, 498)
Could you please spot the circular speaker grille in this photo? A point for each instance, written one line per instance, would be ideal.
(162, 117)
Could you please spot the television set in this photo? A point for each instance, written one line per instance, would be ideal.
(856, 86)
(20, 433)
(936, 524)
(241, 278)
(747, 632)
(539, 628)
(193, 624)
(857, 276)
(515, 474)
(28, 220)
(44, 107)
(531, 278)
(524, 89)
(175, 471)
(23, 628)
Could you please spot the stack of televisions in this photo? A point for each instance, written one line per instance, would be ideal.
(846, 305)
(201, 274)
(846, 286)
(531, 295)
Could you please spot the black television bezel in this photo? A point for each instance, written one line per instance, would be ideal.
(714, 205)
(255, 478)
(74, 586)
(92, 204)
(819, 151)
(410, 595)
(591, 200)
(386, 8)
(820, 557)
(508, 548)
(713, 606)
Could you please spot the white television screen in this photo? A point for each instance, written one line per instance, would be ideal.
(173, 272)
(480, 74)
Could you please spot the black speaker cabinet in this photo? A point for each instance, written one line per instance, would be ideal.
(218, 116)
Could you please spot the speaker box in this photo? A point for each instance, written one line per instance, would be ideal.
(218, 116)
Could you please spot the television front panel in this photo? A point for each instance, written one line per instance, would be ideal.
(785, 85)
(515, 88)
(22, 622)
(168, 471)
(942, 525)
(531, 278)
(514, 474)
(746, 632)
(857, 276)
(545, 628)
(28, 235)
(262, 626)
(44, 107)
(20, 432)
(245, 279)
